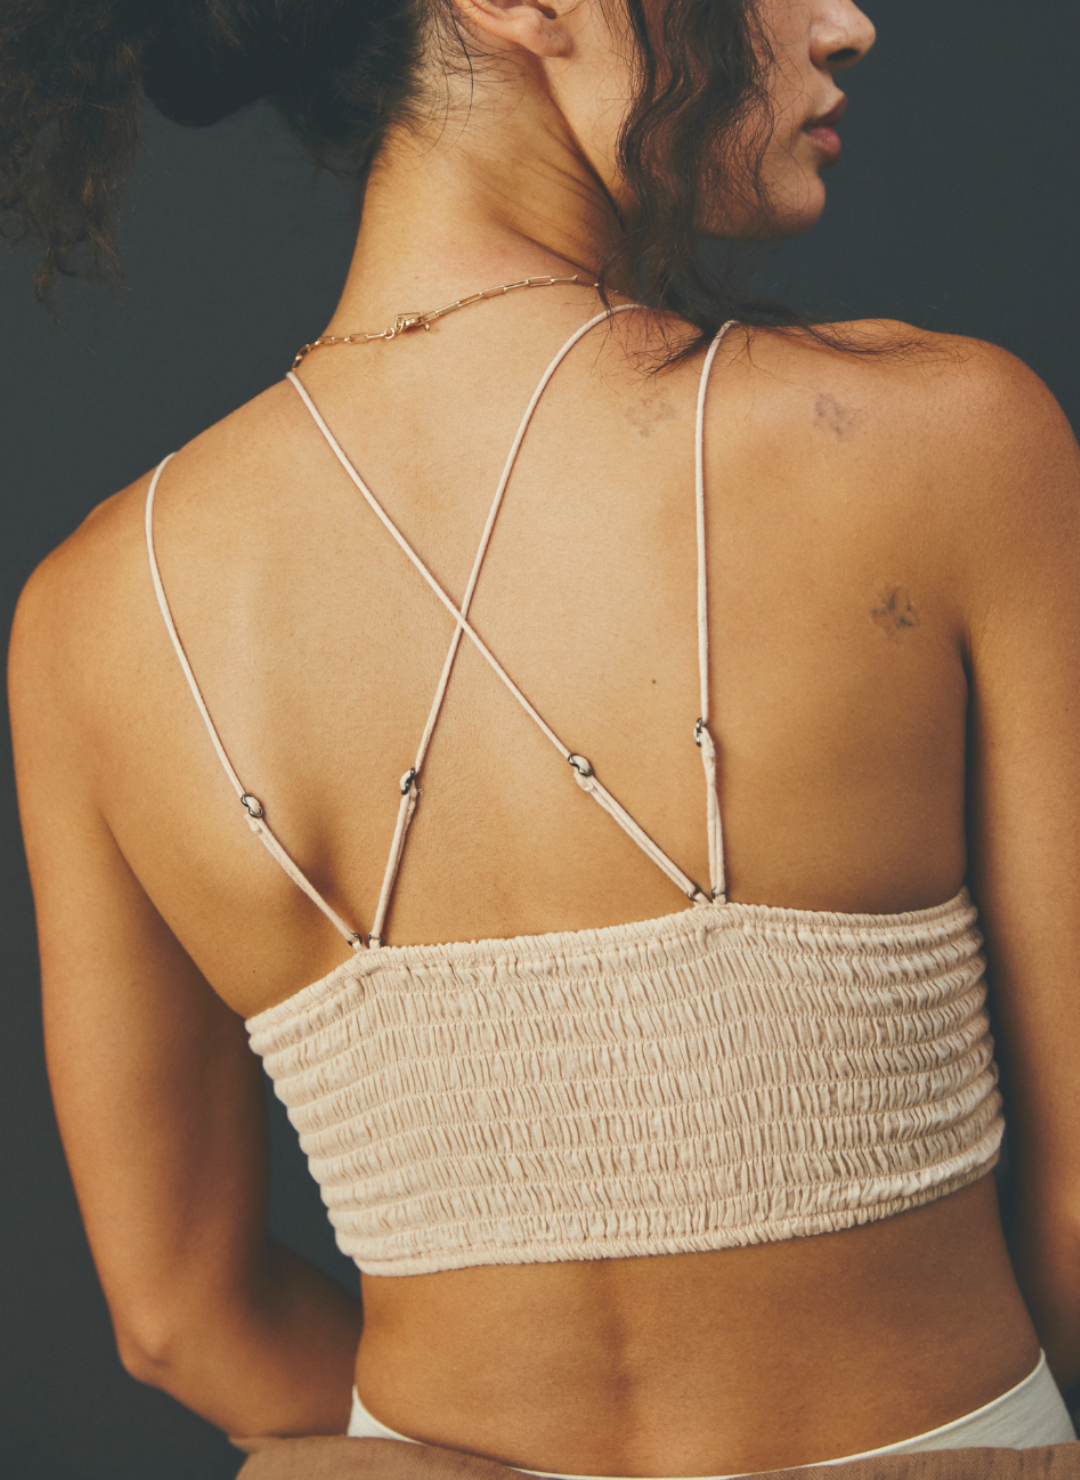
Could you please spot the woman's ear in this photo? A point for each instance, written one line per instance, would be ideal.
(535, 26)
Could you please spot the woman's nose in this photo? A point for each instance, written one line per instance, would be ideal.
(840, 35)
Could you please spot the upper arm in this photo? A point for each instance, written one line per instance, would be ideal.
(158, 1097)
(1019, 507)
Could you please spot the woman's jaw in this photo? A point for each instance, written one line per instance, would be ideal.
(518, 169)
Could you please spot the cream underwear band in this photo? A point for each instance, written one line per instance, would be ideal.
(1031, 1414)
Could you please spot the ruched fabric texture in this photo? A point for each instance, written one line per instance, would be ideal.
(730, 1075)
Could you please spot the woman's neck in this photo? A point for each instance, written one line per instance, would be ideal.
(471, 207)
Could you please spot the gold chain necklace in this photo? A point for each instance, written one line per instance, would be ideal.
(404, 322)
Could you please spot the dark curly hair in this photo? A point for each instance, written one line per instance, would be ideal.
(74, 75)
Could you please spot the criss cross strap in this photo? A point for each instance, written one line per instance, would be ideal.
(408, 783)
(581, 768)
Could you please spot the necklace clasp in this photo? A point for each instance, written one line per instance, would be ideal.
(406, 321)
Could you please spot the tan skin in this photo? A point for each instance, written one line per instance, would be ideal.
(895, 569)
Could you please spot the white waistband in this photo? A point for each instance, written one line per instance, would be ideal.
(1030, 1414)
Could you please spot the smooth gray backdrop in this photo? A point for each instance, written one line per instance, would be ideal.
(956, 206)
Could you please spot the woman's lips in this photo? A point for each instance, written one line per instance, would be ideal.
(823, 131)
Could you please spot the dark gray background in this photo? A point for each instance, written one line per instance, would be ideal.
(956, 206)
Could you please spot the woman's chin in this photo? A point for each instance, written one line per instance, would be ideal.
(787, 213)
(792, 213)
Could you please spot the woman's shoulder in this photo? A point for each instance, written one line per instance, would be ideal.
(882, 446)
(887, 399)
(897, 365)
(89, 599)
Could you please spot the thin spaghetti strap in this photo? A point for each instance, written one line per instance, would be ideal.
(583, 772)
(410, 793)
(702, 734)
(253, 808)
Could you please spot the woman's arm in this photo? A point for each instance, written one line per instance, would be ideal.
(1021, 535)
(158, 1097)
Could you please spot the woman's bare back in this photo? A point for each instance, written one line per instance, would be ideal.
(845, 578)
(837, 627)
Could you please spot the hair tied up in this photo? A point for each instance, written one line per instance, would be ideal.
(74, 73)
